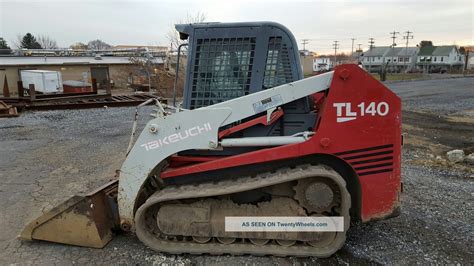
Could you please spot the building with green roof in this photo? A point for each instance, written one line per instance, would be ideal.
(439, 59)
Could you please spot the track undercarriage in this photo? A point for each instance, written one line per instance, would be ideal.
(190, 218)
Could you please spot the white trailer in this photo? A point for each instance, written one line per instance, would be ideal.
(45, 81)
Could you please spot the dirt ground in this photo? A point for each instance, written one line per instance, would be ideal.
(45, 157)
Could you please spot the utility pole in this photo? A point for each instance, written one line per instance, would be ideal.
(335, 45)
(371, 45)
(359, 53)
(352, 49)
(393, 37)
(407, 37)
(304, 42)
(466, 63)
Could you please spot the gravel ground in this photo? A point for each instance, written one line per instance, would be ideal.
(440, 96)
(48, 156)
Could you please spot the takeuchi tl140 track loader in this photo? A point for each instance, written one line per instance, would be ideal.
(252, 138)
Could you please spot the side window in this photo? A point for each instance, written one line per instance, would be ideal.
(222, 70)
(278, 67)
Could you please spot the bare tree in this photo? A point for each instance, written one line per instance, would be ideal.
(98, 45)
(173, 35)
(151, 71)
(17, 43)
(47, 42)
(78, 46)
(173, 38)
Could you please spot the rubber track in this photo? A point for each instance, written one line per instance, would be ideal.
(151, 237)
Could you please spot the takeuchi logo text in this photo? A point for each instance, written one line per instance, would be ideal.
(177, 137)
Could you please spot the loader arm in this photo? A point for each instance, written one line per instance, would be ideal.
(184, 130)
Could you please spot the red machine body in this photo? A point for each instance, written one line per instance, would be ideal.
(358, 125)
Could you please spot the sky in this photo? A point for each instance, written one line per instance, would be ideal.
(143, 22)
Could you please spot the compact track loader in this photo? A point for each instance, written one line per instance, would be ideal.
(252, 138)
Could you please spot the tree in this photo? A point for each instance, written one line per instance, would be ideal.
(98, 45)
(78, 46)
(173, 35)
(47, 42)
(174, 39)
(3, 44)
(426, 43)
(29, 42)
(149, 68)
(4, 48)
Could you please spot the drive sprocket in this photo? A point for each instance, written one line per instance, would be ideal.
(318, 195)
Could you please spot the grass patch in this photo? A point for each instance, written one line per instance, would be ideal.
(399, 76)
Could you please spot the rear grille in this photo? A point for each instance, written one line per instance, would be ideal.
(369, 161)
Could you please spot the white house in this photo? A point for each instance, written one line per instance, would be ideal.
(427, 58)
(400, 59)
(373, 59)
(322, 64)
(435, 59)
(470, 61)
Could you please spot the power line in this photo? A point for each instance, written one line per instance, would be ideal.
(359, 44)
(382, 35)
